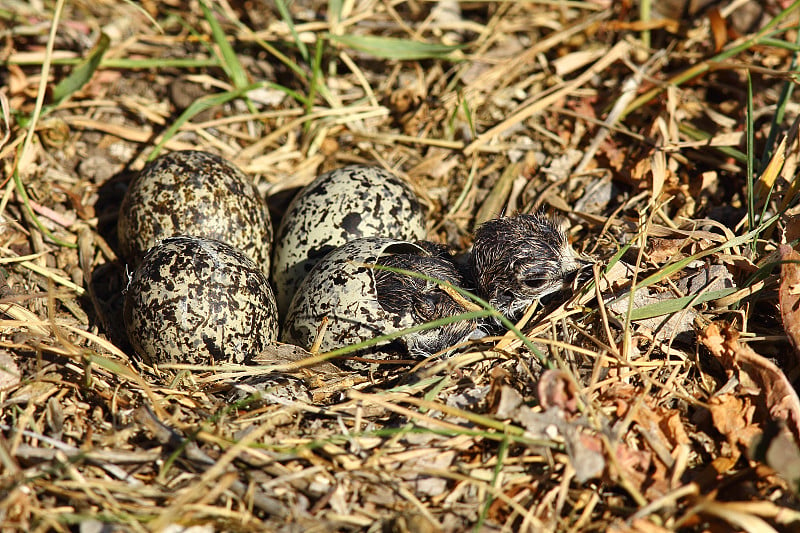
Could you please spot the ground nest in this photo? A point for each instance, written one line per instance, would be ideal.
(658, 395)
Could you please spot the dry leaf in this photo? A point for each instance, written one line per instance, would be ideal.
(584, 446)
(779, 397)
(556, 389)
(9, 371)
(586, 453)
(664, 250)
(719, 29)
(792, 231)
(733, 417)
(617, 156)
(634, 465)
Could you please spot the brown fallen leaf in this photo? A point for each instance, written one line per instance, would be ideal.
(583, 445)
(9, 371)
(500, 380)
(733, 417)
(664, 250)
(586, 453)
(673, 428)
(757, 376)
(661, 429)
(789, 295)
(636, 467)
(719, 28)
(709, 476)
(410, 109)
(556, 389)
(587, 448)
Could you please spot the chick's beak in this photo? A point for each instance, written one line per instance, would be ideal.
(577, 269)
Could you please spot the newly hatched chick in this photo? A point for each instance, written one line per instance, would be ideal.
(359, 302)
(424, 300)
(517, 260)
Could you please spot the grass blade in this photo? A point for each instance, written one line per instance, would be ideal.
(670, 269)
(287, 18)
(750, 134)
(228, 60)
(83, 72)
(675, 305)
(393, 48)
(209, 101)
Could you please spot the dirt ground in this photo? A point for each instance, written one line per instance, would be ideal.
(659, 396)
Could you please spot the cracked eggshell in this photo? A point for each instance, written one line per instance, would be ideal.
(340, 206)
(194, 193)
(343, 290)
(195, 301)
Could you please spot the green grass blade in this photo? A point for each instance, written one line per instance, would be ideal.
(317, 78)
(83, 72)
(393, 48)
(700, 135)
(672, 268)
(228, 60)
(274, 52)
(345, 350)
(785, 45)
(26, 203)
(645, 15)
(675, 305)
(287, 18)
(780, 112)
(213, 100)
(334, 11)
(750, 134)
(502, 453)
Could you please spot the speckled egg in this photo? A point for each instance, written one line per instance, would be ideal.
(339, 206)
(194, 193)
(361, 302)
(194, 300)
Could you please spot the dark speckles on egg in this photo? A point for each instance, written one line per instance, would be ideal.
(350, 222)
(194, 193)
(337, 207)
(197, 301)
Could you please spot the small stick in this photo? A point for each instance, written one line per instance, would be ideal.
(323, 327)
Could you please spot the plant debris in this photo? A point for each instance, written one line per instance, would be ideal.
(659, 395)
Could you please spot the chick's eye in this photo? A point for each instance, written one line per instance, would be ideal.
(534, 283)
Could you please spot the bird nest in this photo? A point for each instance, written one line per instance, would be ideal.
(658, 395)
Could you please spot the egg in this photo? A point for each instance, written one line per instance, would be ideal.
(345, 204)
(194, 193)
(361, 302)
(198, 301)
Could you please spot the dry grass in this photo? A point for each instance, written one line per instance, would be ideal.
(649, 412)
